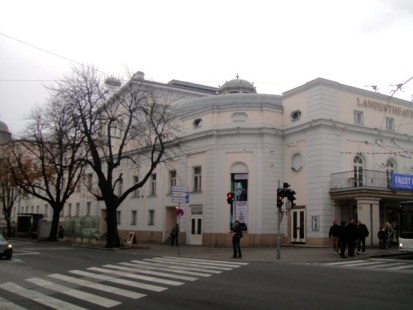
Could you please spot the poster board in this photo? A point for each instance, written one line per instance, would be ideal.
(130, 239)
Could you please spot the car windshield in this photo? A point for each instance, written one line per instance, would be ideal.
(2, 238)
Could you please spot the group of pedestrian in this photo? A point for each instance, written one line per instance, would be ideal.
(350, 236)
(385, 236)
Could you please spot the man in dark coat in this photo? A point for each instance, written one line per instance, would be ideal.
(333, 235)
(362, 234)
(175, 235)
(351, 232)
(342, 239)
(236, 237)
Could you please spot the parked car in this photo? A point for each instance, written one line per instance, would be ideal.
(6, 248)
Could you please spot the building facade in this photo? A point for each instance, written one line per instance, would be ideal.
(337, 147)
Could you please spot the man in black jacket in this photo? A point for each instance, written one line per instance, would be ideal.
(362, 234)
(333, 234)
(351, 232)
(342, 239)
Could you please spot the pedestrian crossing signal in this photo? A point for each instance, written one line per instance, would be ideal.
(291, 198)
(280, 197)
(230, 198)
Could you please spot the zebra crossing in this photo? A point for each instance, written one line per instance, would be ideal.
(379, 264)
(138, 276)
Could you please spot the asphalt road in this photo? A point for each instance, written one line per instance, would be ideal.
(44, 276)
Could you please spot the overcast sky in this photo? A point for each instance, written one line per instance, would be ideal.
(277, 45)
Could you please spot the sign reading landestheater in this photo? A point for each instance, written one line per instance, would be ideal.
(402, 181)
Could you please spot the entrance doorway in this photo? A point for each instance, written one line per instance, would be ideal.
(298, 226)
(195, 233)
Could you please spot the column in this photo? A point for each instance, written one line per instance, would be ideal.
(368, 211)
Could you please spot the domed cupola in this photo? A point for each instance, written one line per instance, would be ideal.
(5, 135)
(237, 86)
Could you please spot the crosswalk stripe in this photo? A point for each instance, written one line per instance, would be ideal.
(136, 276)
(128, 266)
(356, 264)
(9, 305)
(169, 271)
(135, 284)
(383, 265)
(209, 262)
(101, 301)
(97, 286)
(175, 269)
(215, 269)
(39, 297)
(404, 267)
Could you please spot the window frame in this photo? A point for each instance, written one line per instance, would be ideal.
(197, 179)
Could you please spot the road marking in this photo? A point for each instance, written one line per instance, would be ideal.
(135, 284)
(208, 262)
(168, 271)
(9, 305)
(101, 301)
(97, 286)
(175, 269)
(39, 297)
(154, 273)
(213, 269)
(136, 276)
(374, 264)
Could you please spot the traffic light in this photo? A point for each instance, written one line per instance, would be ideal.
(230, 198)
(280, 197)
(291, 198)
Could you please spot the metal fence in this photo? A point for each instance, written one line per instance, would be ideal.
(360, 178)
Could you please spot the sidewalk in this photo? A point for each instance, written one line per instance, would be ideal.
(288, 253)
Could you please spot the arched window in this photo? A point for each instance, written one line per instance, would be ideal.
(358, 171)
(390, 168)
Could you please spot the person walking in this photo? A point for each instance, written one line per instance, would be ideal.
(342, 239)
(175, 235)
(61, 232)
(333, 235)
(362, 234)
(382, 237)
(351, 232)
(389, 235)
(236, 237)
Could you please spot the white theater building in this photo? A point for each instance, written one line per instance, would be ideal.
(337, 146)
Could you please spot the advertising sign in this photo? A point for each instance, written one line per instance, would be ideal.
(402, 181)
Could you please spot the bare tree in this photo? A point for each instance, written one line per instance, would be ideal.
(47, 163)
(10, 192)
(129, 128)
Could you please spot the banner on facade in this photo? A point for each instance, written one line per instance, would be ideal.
(402, 181)
(241, 211)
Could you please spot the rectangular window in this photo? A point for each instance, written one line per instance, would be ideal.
(69, 210)
(46, 210)
(153, 184)
(133, 217)
(118, 217)
(358, 117)
(197, 179)
(120, 184)
(390, 123)
(151, 217)
(89, 181)
(172, 179)
(77, 209)
(136, 191)
(88, 207)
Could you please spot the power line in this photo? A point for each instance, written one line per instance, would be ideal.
(40, 49)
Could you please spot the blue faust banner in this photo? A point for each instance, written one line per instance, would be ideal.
(402, 181)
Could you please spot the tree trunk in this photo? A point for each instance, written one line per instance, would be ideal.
(112, 237)
(55, 224)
